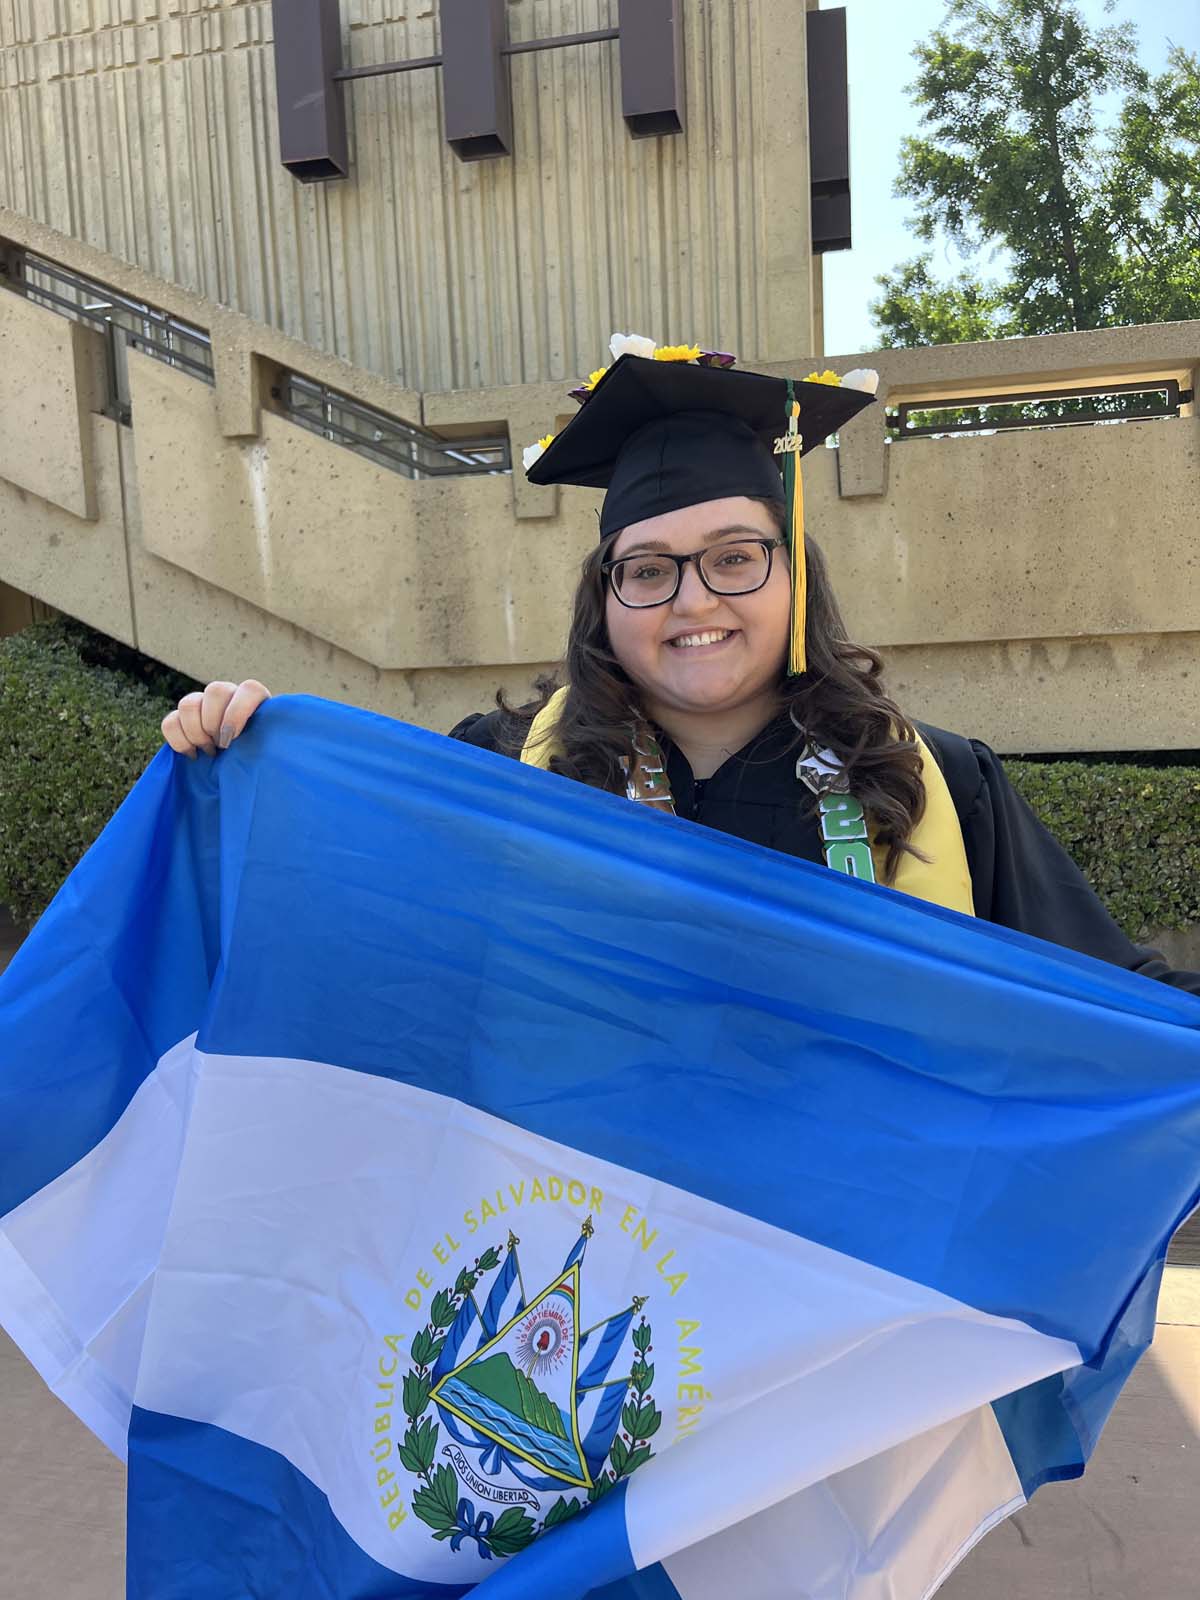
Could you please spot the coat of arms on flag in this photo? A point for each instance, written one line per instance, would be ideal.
(540, 1414)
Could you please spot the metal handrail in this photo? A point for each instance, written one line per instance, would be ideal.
(109, 305)
(903, 428)
(126, 323)
(373, 433)
(335, 416)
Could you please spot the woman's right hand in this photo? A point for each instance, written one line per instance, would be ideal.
(211, 720)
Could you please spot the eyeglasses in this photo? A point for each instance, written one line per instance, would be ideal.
(653, 578)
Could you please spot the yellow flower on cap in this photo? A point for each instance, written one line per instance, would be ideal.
(827, 376)
(583, 391)
(677, 352)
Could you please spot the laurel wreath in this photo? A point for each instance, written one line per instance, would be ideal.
(437, 1501)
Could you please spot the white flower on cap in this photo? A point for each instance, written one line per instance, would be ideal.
(533, 453)
(864, 378)
(631, 344)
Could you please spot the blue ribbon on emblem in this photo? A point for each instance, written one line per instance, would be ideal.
(474, 1527)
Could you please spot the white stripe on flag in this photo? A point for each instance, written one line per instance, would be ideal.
(76, 1259)
(896, 1524)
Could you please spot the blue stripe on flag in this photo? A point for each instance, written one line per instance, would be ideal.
(123, 976)
(200, 1500)
(946, 1100)
(1011, 1057)
(589, 1553)
(652, 1584)
(1051, 1427)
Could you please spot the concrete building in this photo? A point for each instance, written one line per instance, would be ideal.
(165, 484)
(260, 426)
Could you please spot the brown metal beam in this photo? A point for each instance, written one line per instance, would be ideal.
(312, 114)
(652, 66)
(383, 68)
(477, 92)
(521, 48)
(476, 89)
(829, 130)
(528, 46)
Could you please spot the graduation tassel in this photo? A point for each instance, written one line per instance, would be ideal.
(789, 447)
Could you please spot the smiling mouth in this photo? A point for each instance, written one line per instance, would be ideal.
(693, 641)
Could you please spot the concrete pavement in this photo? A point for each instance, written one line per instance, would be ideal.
(1130, 1530)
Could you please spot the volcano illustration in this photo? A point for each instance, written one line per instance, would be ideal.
(497, 1380)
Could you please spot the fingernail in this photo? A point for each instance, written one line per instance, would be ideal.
(225, 737)
(191, 755)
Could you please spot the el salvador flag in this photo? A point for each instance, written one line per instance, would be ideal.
(430, 1172)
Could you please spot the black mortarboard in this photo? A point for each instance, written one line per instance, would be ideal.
(663, 435)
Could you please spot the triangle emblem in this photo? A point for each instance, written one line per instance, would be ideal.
(518, 1389)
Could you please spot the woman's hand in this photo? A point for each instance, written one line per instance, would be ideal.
(212, 720)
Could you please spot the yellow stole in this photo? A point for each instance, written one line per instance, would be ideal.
(943, 878)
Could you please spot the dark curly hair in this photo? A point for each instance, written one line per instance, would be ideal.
(839, 703)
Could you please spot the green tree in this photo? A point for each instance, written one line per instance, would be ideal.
(915, 309)
(1093, 225)
(1153, 197)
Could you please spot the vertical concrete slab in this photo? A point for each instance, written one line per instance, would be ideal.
(49, 372)
(405, 575)
(76, 565)
(505, 272)
(204, 631)
(779, 135)
(528, 411)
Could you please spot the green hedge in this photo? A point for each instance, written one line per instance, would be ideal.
(80, 714)
(79, 720)
(1134, 830)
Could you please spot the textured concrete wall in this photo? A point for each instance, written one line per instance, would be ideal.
(147, 128)
(77, 566)
(1040, 590)
(406, 575)
(50, 381)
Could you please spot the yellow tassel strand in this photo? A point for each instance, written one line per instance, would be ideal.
(790, 447)
(797, 658)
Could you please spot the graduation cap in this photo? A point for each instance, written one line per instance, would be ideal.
(662, 434)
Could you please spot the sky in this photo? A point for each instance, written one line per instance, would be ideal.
(881, 37)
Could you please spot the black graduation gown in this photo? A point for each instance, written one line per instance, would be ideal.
(1022, 877)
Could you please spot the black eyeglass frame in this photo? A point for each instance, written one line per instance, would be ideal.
(608, 567)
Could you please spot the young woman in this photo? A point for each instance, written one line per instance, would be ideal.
(709, 672)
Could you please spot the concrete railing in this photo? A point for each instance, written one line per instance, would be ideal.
(1039, 588)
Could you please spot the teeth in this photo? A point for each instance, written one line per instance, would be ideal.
(690, 639)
